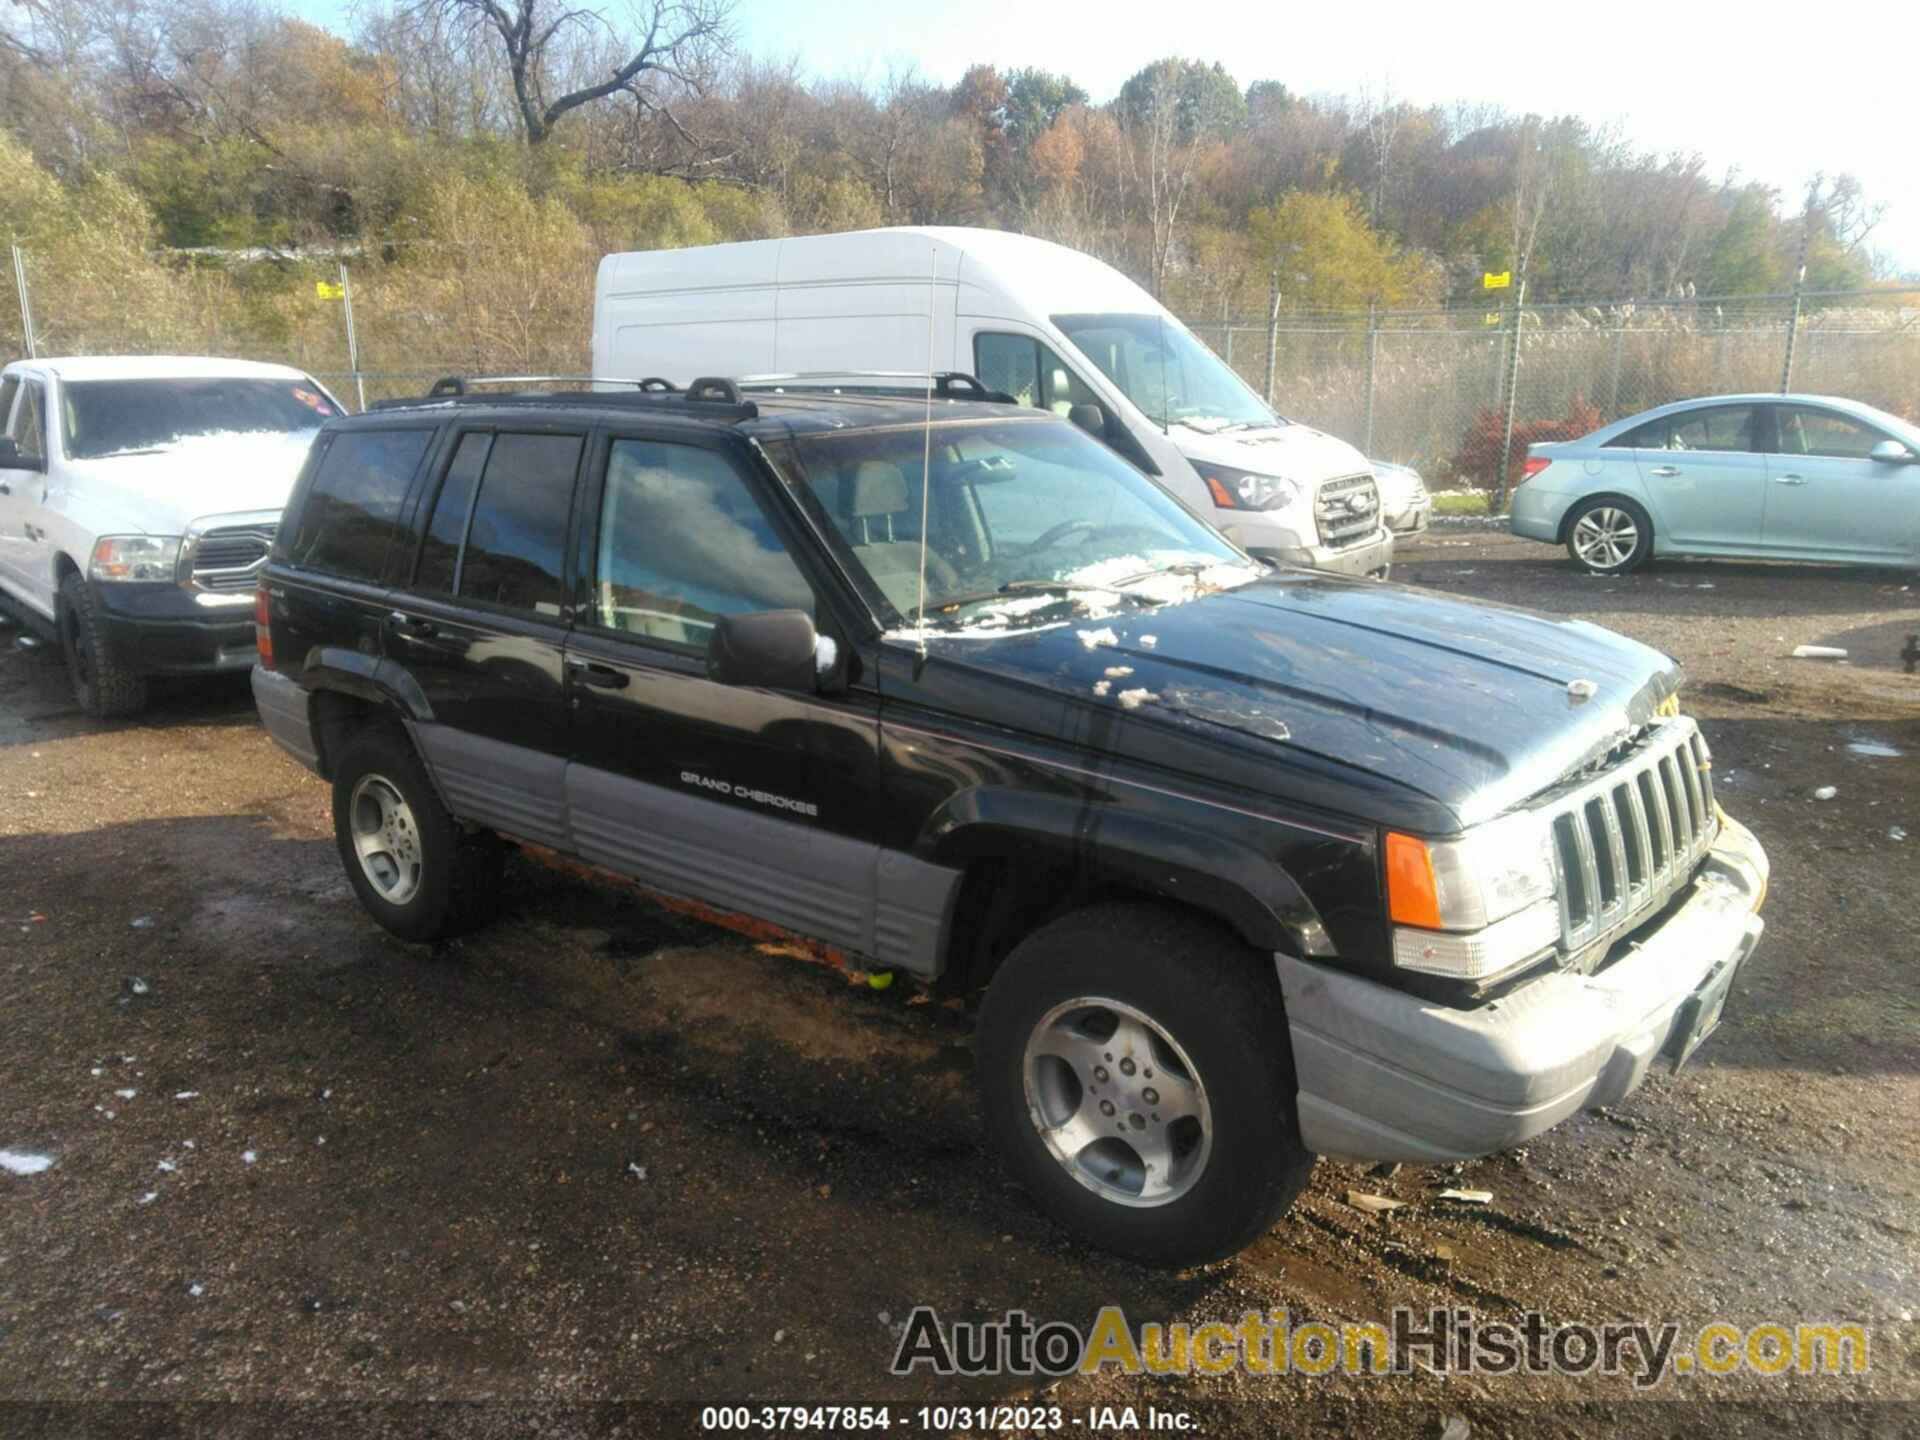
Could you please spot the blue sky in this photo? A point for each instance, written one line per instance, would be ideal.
(1776, 99)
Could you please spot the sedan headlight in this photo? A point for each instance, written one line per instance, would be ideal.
(1474, 907)
(134, 557)
(1233, 489)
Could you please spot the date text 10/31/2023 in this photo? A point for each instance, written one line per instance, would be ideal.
(943, 1419)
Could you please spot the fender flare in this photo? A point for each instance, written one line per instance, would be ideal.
(1152, 854)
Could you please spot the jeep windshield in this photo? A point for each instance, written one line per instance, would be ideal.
(1027, 522)
(131, 417)
(1169, 376)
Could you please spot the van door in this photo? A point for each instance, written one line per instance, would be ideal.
(481, 625)
(755, 801)
(1032, 371)
(24, 563)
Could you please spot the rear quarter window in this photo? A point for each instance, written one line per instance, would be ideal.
(352, 510)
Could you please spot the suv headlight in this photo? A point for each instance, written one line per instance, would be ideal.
(1474, 907)
(134, 557)
(1233, 489)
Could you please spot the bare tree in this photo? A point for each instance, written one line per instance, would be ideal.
(536, 35)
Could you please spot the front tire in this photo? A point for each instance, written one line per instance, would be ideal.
(414, 868)
(1135, 1074)
(105, 686)
(1609, 535)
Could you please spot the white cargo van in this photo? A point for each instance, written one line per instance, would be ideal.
(1055, 328)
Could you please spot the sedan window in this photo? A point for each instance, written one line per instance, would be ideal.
(1723, 428)
(1807, 431)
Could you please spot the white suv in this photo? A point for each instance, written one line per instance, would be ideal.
(138, 498)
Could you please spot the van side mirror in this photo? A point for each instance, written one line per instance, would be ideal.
(12, 459)
(1892, 452)
(765, 650)
(1090, 418)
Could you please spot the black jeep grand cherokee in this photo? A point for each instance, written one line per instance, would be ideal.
(1252, 864)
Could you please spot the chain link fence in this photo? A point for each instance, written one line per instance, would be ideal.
(1436, 389)
(1425, 387)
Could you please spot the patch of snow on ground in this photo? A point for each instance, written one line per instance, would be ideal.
(24, 1162)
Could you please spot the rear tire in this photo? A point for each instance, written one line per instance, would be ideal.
(1609, 535)
(1170, 1138)
(415, 869)
(103, 683)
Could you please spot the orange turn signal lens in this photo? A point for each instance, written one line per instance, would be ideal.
(1412, 896)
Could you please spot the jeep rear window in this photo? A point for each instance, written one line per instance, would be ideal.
(518, 533)
(131, 417)
(353, 503)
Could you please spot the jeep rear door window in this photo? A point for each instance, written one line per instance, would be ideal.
(518, 534)
(683, 541)
(129, 417)
(440, 555)
(353, 504)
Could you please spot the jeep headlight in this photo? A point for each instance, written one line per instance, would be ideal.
(134, 557)
(1474, 907)
(1233, 489)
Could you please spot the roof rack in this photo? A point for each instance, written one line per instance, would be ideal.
(946, 384)
(712, 394)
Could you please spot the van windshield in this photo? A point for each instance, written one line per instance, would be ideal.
(129, 417)
(1029, 521)
(1169, 376)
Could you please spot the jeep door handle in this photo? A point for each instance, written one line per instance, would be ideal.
(413, 629)
(1789, 479)
(600, 677)
(1666, 471)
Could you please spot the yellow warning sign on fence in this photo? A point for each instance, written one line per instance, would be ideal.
(327, 290)
(1491, 281)
(1492, 317)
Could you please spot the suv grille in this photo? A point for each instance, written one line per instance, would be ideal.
(1347, 510)
(229, 559)
(1625, 842)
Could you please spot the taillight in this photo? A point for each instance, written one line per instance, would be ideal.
(1532, 466)
(263, 627)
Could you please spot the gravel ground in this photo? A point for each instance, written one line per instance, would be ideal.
(602, 1152)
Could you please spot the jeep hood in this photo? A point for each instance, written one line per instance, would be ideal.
(1379, 701)
(160, 491)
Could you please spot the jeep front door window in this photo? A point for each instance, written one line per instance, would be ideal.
(684, 541)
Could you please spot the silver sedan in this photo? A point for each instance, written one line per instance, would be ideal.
(1776, 477)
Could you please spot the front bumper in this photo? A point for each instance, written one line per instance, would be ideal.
(1368, 557)
(1385, 1075)
(163, 629)
(1412, 520)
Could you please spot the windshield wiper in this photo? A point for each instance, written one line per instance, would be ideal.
(1063, 588)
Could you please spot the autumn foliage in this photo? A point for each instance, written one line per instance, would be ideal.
(1477, 461)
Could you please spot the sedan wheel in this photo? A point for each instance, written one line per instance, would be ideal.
(1610, 537)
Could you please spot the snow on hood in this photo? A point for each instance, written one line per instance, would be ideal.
(1297, 452)
(160, 491)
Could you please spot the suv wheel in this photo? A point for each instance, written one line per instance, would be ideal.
(1136, 1075)
(1609, 536)
(414, 868)
(102, 682)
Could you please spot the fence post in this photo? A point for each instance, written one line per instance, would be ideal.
(1373, 355)
(353, 343)
(1273, 329)
(1619, 354)
(26, 304)
(1513, 399)
(1793, 330)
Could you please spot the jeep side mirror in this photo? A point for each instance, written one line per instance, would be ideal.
(12, 459)
(1892, 452)
(765, 650)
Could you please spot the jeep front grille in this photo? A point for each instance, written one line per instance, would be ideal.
(1347, 510)
(227, 558)
(1626, 841)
